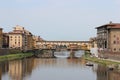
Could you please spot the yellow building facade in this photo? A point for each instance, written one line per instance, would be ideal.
(16, 37)
(20, 38)
(15, 40)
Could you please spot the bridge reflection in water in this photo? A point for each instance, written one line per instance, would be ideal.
(51, 53)
(66, 54)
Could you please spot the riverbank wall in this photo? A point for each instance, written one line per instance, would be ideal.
(110, 55)
(9, 51)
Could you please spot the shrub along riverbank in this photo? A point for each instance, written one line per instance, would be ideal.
(15, 56)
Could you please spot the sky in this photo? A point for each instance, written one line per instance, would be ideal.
(59, 19)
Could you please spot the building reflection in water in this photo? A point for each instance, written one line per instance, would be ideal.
(101, 72)
(113, 75)
(18, 69)
(65, 63)
(22, 69)
(3, 69)
(104, 74)
(15, 70)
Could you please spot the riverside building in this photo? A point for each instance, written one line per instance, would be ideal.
(1, 37)
(108, 37)
(20, 38)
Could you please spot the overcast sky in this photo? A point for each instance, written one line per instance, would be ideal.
(59, 19)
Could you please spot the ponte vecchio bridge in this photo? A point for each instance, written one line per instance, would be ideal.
(77, 45)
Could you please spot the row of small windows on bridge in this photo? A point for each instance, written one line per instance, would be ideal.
(62, 44)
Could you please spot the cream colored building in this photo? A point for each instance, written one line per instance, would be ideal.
(20, 38)
(16, 37)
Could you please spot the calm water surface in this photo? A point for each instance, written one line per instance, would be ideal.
(54, 69)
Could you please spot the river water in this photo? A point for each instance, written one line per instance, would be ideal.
(54, 69)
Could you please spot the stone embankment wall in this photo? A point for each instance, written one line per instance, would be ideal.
(110, 55)
(9, 51)
(44, 54)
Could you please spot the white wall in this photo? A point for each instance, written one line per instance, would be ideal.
(94, 51)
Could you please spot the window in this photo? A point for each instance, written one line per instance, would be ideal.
(105, 44)
(117, 42)
(114, 49)
(114, 42)
(19, 43)
(117, 38)
(114, 36)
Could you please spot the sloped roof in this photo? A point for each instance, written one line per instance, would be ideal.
(110, 25)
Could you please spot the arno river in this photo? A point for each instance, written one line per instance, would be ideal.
(55, 69)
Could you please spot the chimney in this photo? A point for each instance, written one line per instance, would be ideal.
(110, 22)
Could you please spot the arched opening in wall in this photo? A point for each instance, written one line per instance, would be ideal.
(105, 44)
(64, 46)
